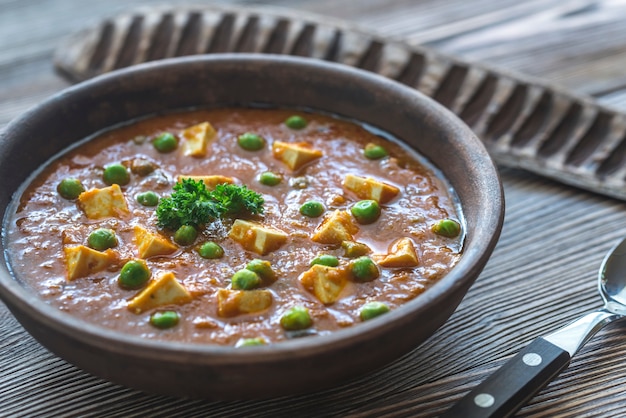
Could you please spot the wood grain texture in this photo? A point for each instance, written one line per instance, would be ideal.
(541, 275)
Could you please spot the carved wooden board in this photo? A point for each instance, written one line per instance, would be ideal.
(523, 122)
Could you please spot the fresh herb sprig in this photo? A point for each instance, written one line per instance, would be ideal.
(193, 204)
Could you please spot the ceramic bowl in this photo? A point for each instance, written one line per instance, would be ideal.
(295, 366)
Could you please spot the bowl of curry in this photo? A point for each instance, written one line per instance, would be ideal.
(241, 226)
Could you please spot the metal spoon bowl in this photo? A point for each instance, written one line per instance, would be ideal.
(520, 378)
(612, 279)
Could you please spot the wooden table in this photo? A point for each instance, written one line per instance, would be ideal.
(542, 273)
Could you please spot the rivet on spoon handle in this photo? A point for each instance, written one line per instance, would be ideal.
(505, 391)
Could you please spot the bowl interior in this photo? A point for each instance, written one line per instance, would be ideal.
(240, 80)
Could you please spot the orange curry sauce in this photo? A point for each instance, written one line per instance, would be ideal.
(45, 224)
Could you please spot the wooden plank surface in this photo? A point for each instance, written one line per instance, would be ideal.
(541, 275)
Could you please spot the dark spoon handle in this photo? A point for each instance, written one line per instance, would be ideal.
(505, 391)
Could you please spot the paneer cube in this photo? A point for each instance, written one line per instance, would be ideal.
(150, 244)
(82, 261)
(401, 254)
(103, 203)
(335, 228)
(295, 155)
(165, 290)
(196, 138)
(369, 188)
(255, 237)
(236, 302)
(209, 181)
(325, 282)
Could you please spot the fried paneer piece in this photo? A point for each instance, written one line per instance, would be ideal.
(236, 302)
(257, 238)
(165, 290)
(369, 188)
(295, 155)
(336, 227)
(150, 244)
(103, 203)
(325, 282)
(196, 138)
(401, 254)
(82, 261)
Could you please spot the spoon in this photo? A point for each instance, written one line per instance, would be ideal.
(520, 378)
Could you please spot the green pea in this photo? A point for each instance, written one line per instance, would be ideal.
(134, 274)
(354, 249)
(447, 228)
(312, 209)
(164, 319)
(70, 188)
(373, 309)
(148, 199)
(296, 318)
(245, 280)
(166, 142)
(251, 141)
(185, 235)
(211, 250)
(270, 179)
(102, 239)
(366, 211)
(296, 122)
(251, 342)
(374, 151)
(263, 269)
(326, 260)
(116, 174)
(364, 269)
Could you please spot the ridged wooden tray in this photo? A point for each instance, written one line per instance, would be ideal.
(524, 122)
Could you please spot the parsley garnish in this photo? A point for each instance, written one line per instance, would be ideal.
(193, 204)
